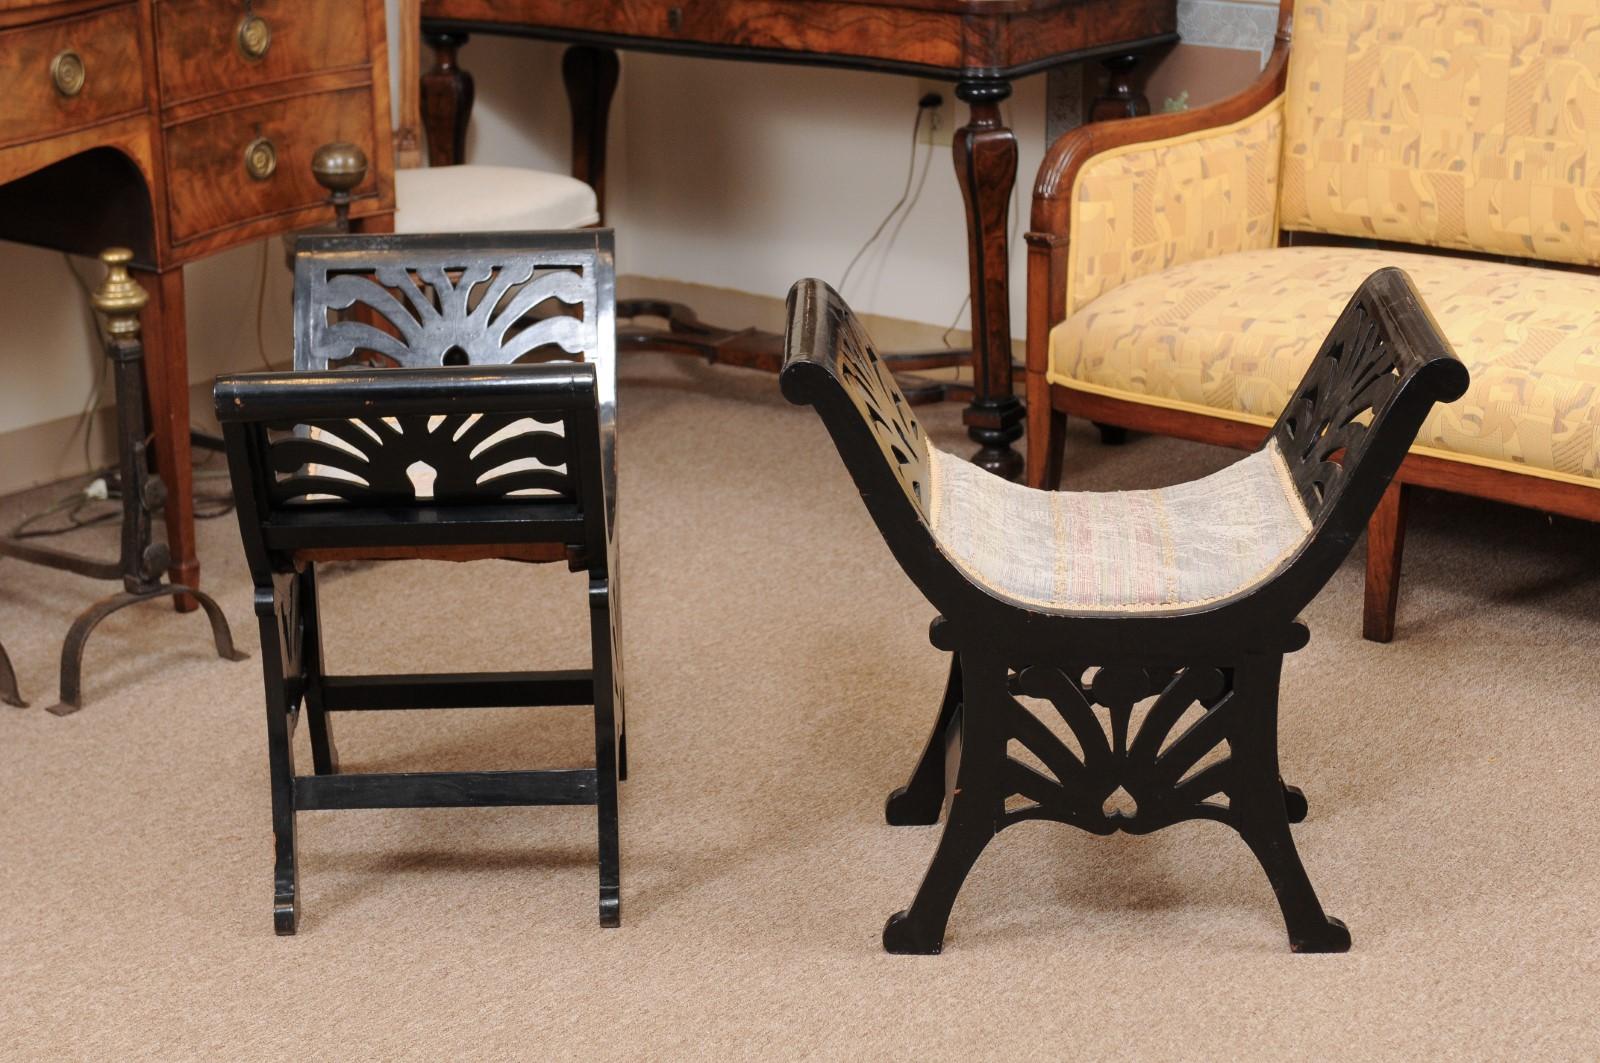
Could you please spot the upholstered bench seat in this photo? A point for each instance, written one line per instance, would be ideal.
(1085, 552)
(472, 199)
(1232, 336)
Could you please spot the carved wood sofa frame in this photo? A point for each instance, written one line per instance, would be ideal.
(1048, 240)
(523, 463)
(1385, 358)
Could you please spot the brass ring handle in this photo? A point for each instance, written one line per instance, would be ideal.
(254, 36)
(68, 72)
(260, 158)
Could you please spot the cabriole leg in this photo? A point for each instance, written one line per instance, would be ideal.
(918, 802)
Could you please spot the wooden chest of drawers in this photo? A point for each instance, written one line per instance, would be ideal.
(182, 128)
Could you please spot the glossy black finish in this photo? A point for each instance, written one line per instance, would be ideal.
(320, 460)
(1343, 435)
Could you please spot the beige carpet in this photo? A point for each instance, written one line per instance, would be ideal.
(780, 685)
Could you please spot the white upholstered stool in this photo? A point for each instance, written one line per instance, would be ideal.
(470, 199)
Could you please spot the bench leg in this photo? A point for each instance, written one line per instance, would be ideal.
(974, 818)
(1386, 539)
(275, 612)
(9, 692)
(919, 801)
(605, 754)
(324, 754)
(1262, 807)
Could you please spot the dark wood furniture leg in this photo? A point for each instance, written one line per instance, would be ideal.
(590, 75)
(986, 167)
(167, 392)
(919, 802)
(1386, 539)
(447, 92)
(1120, 99)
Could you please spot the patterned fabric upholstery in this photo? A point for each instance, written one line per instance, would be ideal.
(1232, 336)
(1145, 208)
(1471, 124)
(1089, 551)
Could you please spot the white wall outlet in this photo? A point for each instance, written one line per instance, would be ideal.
(938, 123)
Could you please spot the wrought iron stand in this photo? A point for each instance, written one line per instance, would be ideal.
(141, 562)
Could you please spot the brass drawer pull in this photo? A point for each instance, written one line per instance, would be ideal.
(255, 36)
(260, 158)
(68, 73)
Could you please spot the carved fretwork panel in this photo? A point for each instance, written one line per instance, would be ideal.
(1120, 748)
(1324, 429)
(455, 458)
(431, 315)
(871, 386)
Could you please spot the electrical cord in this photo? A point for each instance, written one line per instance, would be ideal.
(928, 103)
(105, 486)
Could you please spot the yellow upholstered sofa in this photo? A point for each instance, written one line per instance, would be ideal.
(1183, 268)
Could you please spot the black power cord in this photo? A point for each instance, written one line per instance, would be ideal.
(930, 102)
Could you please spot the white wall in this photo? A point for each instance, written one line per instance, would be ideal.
(738, 175)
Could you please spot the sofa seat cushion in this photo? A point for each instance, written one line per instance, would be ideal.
(1085, 552)
(471, 199)
(1232, 337)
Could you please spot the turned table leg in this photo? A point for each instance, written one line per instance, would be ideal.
(1120, 98)
(447, 93)
(590, 75)
(166, 371)
(986, 166)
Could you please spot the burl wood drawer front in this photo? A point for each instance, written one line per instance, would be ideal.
(255, 162)
(62, 75)
(205, 47)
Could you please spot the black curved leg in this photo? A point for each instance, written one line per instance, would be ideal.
(919, 801)
(9, 691)
(1263, 806)
(975, 812)
(324, 754)
(78, 636)
(1310, 928)
(606, 759)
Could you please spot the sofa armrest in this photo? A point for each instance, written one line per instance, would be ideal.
(1116, 200)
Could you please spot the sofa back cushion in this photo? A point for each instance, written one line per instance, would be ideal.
(1469, 124)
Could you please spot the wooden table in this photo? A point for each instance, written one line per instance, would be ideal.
(981, 45)
(180, 128)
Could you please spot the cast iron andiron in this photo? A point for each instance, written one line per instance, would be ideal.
(141, 562)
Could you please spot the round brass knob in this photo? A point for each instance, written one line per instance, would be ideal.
(68, 72)
(339, 166)
(260, 158)
(255, 36)
(119, 297)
